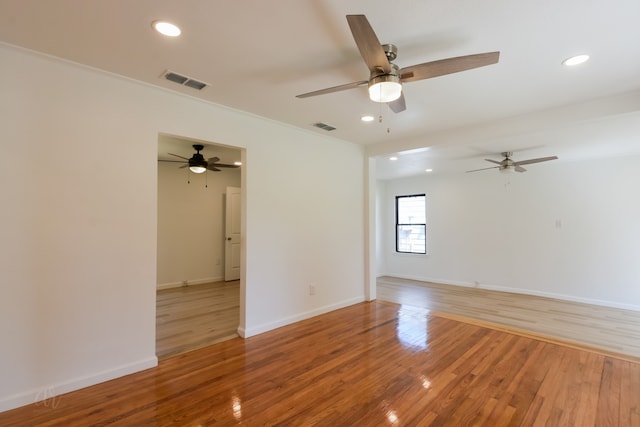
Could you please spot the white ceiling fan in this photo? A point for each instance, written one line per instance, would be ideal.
(507, 164)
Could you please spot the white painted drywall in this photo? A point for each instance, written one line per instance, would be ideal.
(305, 226)
(562, 229)
(191, 219)
(78, 224)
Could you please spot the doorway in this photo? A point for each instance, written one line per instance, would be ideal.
(191, 244)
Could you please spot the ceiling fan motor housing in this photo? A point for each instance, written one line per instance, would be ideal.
(391, 51)
(197, 160)
(391, 77)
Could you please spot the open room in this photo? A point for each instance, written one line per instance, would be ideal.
(435, 219)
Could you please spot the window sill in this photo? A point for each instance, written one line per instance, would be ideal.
(410, 254)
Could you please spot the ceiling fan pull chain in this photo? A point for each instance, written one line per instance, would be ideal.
(188, 176)
(206, 179)
(388, 129)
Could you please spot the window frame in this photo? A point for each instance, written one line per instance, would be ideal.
(398, 224)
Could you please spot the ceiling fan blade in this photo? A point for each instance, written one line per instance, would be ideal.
(368, 44)
(442, 67)
(519, 169)
(182, 167)
(494, 161)
(186, 158)
(222, 165)
(333, 89)
(483, 169)
(538, 160)
(213, 160)
(172, 161)
(213, 168)
(398, 105)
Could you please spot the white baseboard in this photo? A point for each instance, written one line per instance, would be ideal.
(591, 301)
(48, 392)
(249, 332)
(431, 279)
(189, 282)
(241, 332)
(603, 303)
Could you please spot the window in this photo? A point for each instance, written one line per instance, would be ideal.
(411, 227)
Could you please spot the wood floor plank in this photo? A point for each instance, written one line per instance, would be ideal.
(609, 399)
(629, 402)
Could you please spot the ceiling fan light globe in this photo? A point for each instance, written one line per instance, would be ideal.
(197, 169)
(385, 88)
(506, 169)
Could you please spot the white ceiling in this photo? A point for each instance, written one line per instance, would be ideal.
(258, 55)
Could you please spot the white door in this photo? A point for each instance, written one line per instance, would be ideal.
(232, 235)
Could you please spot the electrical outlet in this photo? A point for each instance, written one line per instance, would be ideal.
(312, 289)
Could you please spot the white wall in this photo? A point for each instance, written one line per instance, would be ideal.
(191, 220)
(305, 225)
(567, 230)
(78, 224)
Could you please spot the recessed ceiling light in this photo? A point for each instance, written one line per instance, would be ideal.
(367, 118)
(393, 158)
(428, 170)
(575, 60)
(166, 28)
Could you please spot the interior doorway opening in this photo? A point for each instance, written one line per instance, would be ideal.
(195, 305)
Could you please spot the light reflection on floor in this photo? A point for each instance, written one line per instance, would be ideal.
(236, 406)
(412, 327)
(412, 333)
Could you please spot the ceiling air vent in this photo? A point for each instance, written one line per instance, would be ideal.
(324, 126)
(184, 80)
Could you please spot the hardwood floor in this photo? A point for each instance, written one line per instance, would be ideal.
(609, 330)
(191, 317)
(370, 364)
